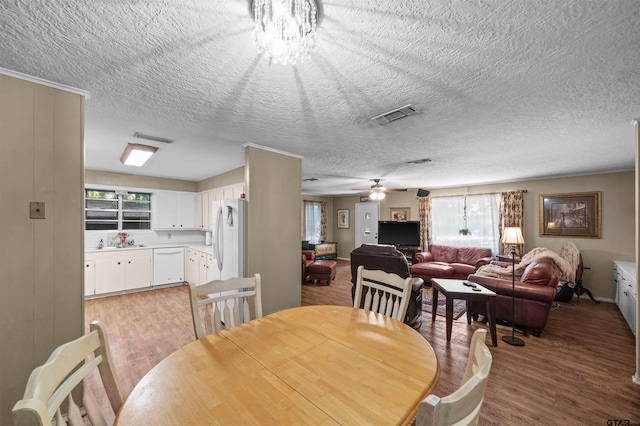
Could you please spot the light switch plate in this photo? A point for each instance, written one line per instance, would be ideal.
(36, 210)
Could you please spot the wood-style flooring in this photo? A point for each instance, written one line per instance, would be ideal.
(578, 372)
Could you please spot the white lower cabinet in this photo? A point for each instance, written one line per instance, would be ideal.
(624, 280)
(199, 266)
(89, 277)
(210, 267)
(191, 267)
(116, 271)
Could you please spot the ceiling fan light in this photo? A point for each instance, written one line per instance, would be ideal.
(376, 194)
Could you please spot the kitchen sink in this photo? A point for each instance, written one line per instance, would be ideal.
(121, 248)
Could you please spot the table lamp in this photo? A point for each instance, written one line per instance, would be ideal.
(513, 236)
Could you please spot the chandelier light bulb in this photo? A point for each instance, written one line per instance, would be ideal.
(285, 30)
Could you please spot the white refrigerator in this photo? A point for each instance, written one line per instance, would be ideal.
(228, 238)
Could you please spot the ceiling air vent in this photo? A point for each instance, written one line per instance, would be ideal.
(152, 138)
(394, 114)
(421, 161)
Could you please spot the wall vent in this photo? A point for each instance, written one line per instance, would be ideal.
(394, 114)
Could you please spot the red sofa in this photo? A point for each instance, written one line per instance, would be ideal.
(535, 291)
(442, 261)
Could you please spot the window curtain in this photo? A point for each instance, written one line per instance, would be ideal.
(313, 221)
(424, 215)
(477, 214)
(511, 215)
(323, 221)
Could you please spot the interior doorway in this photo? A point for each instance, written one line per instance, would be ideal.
(366, 223)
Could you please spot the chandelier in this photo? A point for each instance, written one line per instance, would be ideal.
(285, 30)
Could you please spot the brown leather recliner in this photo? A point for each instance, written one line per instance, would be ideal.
(308, 257)
(386, 258)
(535, 291)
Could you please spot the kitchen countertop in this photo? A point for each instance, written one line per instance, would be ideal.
(193, 245)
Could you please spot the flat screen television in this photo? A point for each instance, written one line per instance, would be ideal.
(405, 234)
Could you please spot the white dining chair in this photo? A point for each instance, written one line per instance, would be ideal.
(224, 303)
(51, 384)
(382, 292)
(462, 407)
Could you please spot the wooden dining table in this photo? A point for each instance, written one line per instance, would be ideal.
(307, 365)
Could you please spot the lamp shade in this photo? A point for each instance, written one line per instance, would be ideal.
(512, 235)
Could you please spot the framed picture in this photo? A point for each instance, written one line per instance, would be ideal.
(570, 215)
(399, 214)
(343, 218)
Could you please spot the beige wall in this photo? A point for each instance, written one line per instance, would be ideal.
(618, 220)
(138, 181)
(41, 288)
(98, 177)
(223, 179)
(273, 183)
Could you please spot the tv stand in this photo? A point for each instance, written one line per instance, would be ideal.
(409, 252)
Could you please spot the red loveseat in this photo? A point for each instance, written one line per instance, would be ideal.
(442, 261)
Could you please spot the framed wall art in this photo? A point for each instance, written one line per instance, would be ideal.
(400, 214)
(570, 215)
(343, 218)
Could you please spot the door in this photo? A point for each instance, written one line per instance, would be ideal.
(138, 271)
(109, 274)
(164, 210)
(186, 210)
(191, 267)
(366, 225)
(89, 278)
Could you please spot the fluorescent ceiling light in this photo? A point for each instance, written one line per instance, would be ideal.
(136, 154)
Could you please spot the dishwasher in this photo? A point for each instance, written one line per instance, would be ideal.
(168, 265)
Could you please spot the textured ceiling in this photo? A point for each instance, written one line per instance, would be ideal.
(505, 90)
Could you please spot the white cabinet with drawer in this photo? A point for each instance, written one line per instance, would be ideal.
(198, 266)
(624, 281)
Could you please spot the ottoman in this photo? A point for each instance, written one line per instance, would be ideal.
(322, 270)
(428, 270)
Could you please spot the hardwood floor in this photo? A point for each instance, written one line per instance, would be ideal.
(578, 372)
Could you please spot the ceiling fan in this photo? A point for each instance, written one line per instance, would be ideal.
(378, 191)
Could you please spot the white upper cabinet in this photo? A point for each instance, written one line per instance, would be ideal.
(203, 210)
(174, 210)
(205, 198)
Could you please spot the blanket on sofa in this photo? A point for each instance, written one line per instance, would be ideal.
(562, 268)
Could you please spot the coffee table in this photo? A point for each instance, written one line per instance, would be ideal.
(455, 289)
